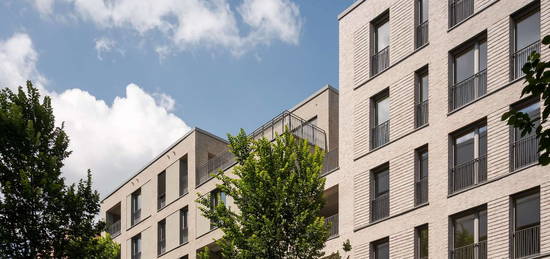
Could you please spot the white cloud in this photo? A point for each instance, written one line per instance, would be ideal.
(114, 140)
(103, 45)
(190, 23)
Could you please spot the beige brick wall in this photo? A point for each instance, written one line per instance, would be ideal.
(402, 183)
(498, 227)
(402, 244)
(402, 106)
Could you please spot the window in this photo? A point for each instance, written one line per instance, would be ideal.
(526, 38)
(161, 190)
(381, 44)
(381, 249)
(184, 230)
(136, 207)
(421, 242)
(161, 237)
(421, 23)
(469, 165)
(526, 224)
(216, 196)
(459, 10)
(421, 177)
(421, 98)
(136, 247)
(183, 176)
(380, 204)
(524, 149)
(381, 120)
(469, 73)
(469, 234)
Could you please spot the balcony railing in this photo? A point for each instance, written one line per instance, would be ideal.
(296, 125)
(421, 191)
(184, 235)
(460, 10)
(333, 229)
(521, 57)
(468, 90)
(421, 34)
(114, 228)
(331, 162)
(524, 152)
(161, 201)
(421, 111)
(380, 135)
(468, 174)
(380, 207)
(136, 216)
(473, 251)
(380, 61)
(526, 242)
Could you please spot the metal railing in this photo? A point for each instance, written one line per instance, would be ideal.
(136, 216)
(468, 90)
(460, 10)
(526, 242)
(380, 207)
(421, 34)
(421, 111)
(468, 174)
(331, 162)
(421, 191)
(184, 235)
(276, 126)
(520, 57)
(333, 228)
(524, 152)
(161, 202)
(114, 228)
(473, 251)
(380, 135)
(380, 61)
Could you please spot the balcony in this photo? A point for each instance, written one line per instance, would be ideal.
(421, 191)
(524, 152)
(331, 162)
(380, 207)
(112, 220)
(473, 251)
(421, 111)
(459, 10)
(468, 90)
(521, 57)
(332, 221)
(380, 61)
(114, 228)
(468, 174)
(526, 242)
(380, 135)
(296, 125)
(421, 34)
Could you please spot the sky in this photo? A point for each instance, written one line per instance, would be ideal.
(130, 77)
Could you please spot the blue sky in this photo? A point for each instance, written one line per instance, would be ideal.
(189, 70)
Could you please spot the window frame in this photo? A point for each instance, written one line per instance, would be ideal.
(476, 214)
(417, 241)
(135, 206)
(418, 170)
(419, 94)
(184, 224)
(380, 242)
(135, 246)
(161, 237)
(183, 175)
(161, 194)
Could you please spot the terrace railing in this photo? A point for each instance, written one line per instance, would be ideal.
(114, 228)
(380, 207)
(468, 174)
(421, 34)
(421, 110)
(468, 90)
(333, 229)
(380, 135)
(380, 61)
(421, 191)
(331, 162)
(526, 242)
(460, 10)
(520, 57)
(473, 251)
(524, 152)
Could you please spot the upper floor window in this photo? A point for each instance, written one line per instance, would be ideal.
(421, 176)
(459, 10)
(469, 73)
(381, 44)
(183, 173)
(526, 224)
(524, 149)
(469, 158)
(380, 203)
(421, 32)
(381, 249)
(135, 207)
(184, 228)
(421, 97)
(216, 197)
(161, 190)
(421, 242)
(469, 234)
(526, 38)
(381, 120)
(136, 247)
(161, 237)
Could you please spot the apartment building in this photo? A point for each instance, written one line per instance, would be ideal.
(154, 213)
(428, 168)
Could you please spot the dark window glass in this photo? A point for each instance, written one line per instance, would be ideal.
(136, 206)
(422, 242)
(382, 250)
(534, 112)
(161, 189)
(423, 164)
(482, 225)
(136, 246)
(382, 35)
(382, 107)
(482, 55)
(422, 10)
(161, 237)
(183, 176)
(423, 87)
(527, 31)
(527, 210)
(464, 148)
(464, 65)
(464, 231)
(381, 182)
(183, 226)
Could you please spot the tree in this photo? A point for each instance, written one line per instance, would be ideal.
(537, 78)
(40, 216)
(279, 194)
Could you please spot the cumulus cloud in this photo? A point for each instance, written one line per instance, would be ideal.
(114, 140)
(191, 23)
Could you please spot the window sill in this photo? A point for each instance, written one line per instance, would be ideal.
(178, 246)
(139, 222)
(471, 16)
(390, 217)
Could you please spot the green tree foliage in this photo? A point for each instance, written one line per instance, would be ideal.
(40, 216)
(537, 78)
(279, 194)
